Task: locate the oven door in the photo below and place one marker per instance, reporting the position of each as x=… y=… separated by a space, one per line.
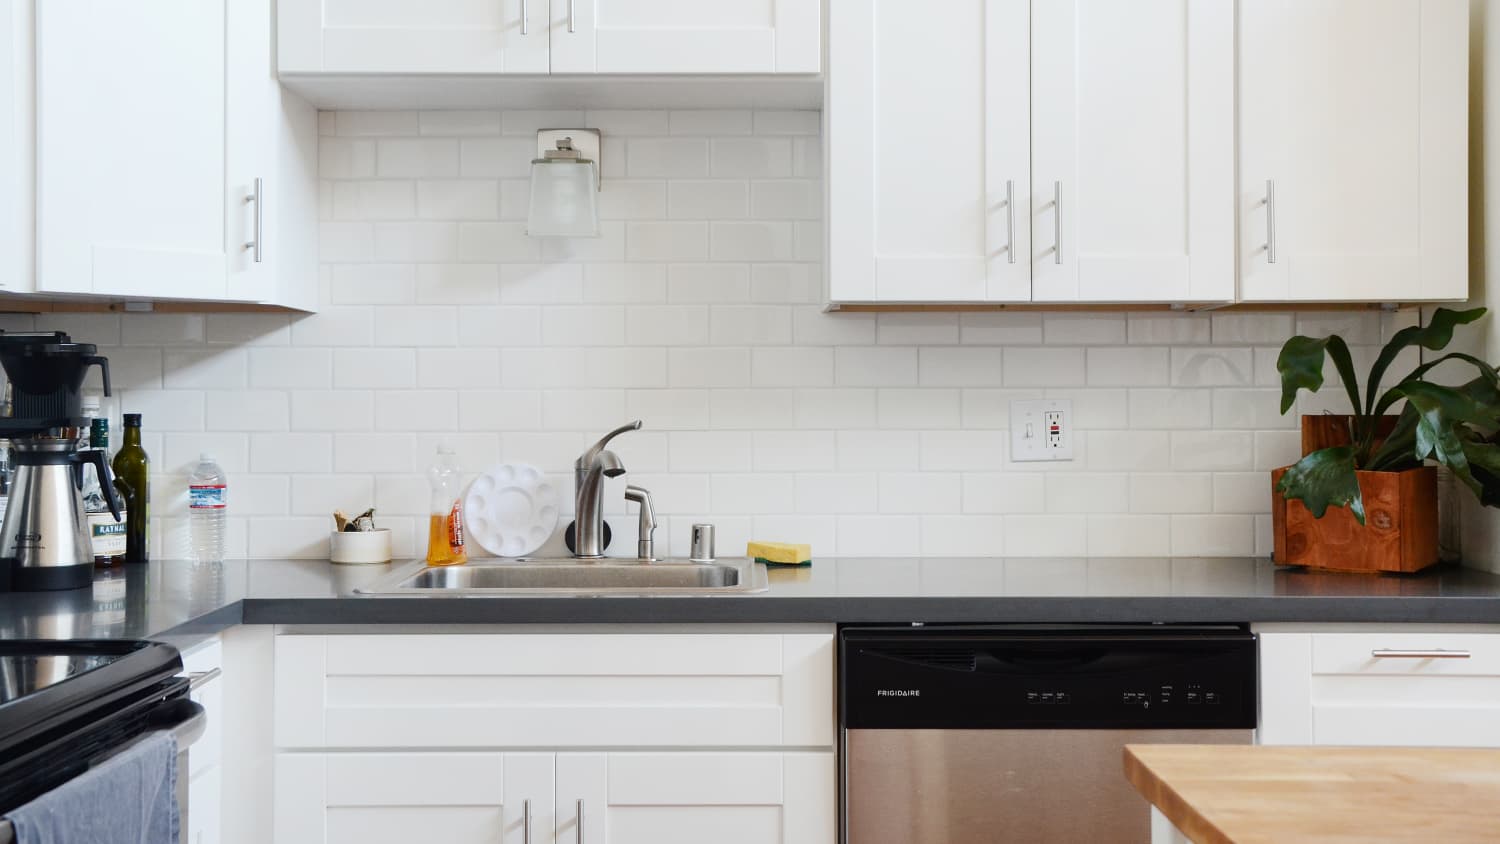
x=185 y=719
x=987 y=786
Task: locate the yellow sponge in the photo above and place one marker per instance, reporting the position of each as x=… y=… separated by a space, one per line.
x=779 y=553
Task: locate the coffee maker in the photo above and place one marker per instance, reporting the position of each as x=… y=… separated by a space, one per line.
x=44 y=539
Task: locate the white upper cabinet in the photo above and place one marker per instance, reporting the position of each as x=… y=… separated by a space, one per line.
x=156 y=121
x=412 y=36
x=486 y=37
x=686 y=36
x=1132 y=150
x=132 y=146
x=927 y=137
x=1354 y=116
x=17 y=132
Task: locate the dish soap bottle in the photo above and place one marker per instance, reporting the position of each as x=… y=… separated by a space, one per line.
x=445 y=532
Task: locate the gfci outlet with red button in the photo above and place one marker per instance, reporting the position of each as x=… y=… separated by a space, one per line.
x=1041 y=430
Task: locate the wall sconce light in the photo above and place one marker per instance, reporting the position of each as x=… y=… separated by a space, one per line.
x=565 y=184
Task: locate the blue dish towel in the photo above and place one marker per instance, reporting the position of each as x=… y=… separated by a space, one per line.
x=130 y=798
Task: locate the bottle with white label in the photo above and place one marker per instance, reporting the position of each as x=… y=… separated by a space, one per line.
x=208 y=501
x=106 y=533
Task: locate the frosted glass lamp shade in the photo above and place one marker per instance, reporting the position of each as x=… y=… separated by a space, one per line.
x=564 y=198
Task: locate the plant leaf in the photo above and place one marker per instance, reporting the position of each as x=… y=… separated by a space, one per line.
x=1399 y=449
x=1484 y=465
x=1435 y=335
x=1486 y=373
x=1325 y=477
x=1440 y=413
x=1301 y=366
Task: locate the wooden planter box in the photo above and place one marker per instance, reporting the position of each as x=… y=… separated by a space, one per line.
x=1400 y=533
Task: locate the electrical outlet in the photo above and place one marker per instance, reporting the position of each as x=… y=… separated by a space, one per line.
x=1041 y=430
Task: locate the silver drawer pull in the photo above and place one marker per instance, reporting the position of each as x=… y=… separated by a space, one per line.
x=1438 y=653
x=526 y=820
x=580 y=820
x=198 y=678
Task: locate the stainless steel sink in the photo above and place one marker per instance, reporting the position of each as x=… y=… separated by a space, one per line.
x=569 y=576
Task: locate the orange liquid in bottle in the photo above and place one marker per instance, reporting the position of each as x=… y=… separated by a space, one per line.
x=445 y=539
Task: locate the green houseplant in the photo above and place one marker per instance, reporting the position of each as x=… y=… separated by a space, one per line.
x=1455 y=426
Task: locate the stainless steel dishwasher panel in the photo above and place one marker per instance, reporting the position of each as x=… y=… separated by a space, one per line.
x=988 y=786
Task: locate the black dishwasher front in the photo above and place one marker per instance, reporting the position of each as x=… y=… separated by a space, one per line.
x=1015 y=732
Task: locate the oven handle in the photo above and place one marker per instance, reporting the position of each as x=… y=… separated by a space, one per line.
x=186 y=720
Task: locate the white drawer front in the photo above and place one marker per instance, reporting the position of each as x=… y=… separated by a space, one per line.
x=554 y=690
x=1398 y=653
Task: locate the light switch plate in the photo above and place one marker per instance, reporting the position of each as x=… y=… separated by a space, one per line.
x=1041 y=429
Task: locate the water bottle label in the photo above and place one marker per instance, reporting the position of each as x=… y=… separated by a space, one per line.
x=207 y=496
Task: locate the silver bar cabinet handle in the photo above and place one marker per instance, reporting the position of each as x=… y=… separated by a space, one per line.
x=572 y=20
x=1437 y=653
x=523 y=17
x=580 y=820
x=1270 y=221
x=1057 y=222
x=198 y=678
x=526 y=820
x=259 y=219
x=1010 y=221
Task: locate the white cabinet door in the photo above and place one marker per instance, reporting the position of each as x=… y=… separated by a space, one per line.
x=132 y=148
x=927 y=136
x=397 y=798
x=1387 y=688
x=1356 y=113
x=681 y=36
x=17 y=133
x=1132 y=127
x=412 y=36
x=685 y=798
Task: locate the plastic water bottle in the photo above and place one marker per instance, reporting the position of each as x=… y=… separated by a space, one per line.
x=208 y=501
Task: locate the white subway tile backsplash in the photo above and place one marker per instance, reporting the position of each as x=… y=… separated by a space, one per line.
x=1004 y=492
x=1127 y=366
x=689 y=199
x=921 y=408
x=450 y=123
x=794 y=451
x=417 y=157
x=960 y=366
x=699 y=310
x=1044 y=367
x=1212 y=367
x=836 y=492
x=1075 y=329
x=666 y=158
x=290 y=453
x=875 y=366
x=709 y=122
x=920 y=492
x=877 y=450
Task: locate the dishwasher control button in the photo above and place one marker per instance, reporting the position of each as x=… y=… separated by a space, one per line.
x=1048 y=697
x=1193 y=697
x=1033 y=697
x=1064 y=697
x=1210 y=697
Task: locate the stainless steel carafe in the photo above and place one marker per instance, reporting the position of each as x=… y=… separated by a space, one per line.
x=45 y=534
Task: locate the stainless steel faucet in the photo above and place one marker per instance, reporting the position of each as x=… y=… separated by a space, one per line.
x=589 y=473
x=645 y=545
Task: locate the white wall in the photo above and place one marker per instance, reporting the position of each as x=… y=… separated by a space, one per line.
x=699 y=312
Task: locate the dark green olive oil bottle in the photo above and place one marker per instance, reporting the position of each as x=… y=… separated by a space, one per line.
x=132 y=470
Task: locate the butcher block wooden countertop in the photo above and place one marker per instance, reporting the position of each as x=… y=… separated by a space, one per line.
x=1216 y=794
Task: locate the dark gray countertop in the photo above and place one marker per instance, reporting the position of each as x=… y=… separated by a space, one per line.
x=180 y=601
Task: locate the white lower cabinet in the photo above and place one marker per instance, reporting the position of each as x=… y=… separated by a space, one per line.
x=624 y=798
x=206 y=756
x=594 y=737
x=1392 y=687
